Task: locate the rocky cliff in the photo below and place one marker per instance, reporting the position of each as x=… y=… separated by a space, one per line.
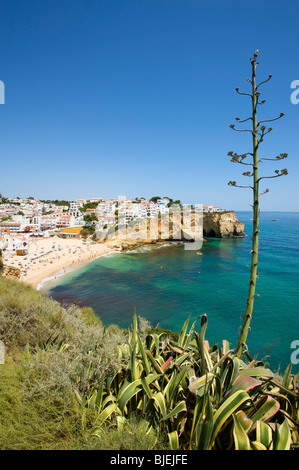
x=8 y=271
x=11 y=272
x=222 y=225
x=216 y=225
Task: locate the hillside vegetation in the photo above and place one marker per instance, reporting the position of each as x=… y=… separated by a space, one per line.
x=70 y=383
x=53 y=356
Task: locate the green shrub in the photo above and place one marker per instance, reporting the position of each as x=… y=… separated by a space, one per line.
x=89 y=316
x=200 y=397
x=70 y=383
x=131 y=435
x=33 y=423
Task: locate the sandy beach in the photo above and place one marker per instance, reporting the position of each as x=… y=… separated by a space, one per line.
x=50 y=256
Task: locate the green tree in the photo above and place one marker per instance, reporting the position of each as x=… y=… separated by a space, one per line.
x=177 y=202
x=258 y=132
x=90 y=218
x=88 y=205
x=155 y=198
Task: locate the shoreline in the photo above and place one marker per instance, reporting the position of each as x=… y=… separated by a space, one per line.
x=54 y=257
x=68 y=269
x=38 y=279
x=135 y=247
x=122 y=247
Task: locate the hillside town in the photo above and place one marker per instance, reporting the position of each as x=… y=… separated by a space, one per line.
x=25 y=219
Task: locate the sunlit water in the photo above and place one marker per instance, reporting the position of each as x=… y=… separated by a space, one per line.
x=166 y=285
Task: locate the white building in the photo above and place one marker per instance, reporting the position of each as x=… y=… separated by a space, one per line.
x=103 y=208
x=142 y=210
x=75 y=206
x=11 y=243
x=55 y=221
x=164 y=201
x=10 y=225
x=94 y=200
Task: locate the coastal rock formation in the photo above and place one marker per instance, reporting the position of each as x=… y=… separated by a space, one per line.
x=128 y=245
x=222 y=225
x=10 y=272
x=215 y=225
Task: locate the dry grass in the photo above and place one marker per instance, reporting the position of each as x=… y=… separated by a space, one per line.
x=52 y=355
x=72 y=230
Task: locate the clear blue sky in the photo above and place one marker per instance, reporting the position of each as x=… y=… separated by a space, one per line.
x=135 y=98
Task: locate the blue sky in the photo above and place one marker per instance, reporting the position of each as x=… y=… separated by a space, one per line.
x=135 y=97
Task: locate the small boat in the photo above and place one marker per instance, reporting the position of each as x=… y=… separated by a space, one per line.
x=273 y=220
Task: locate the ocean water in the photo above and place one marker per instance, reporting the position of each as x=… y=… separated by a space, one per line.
x=166 y=285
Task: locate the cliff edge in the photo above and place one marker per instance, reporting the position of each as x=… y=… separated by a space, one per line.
x=222 y=225
x=8 y=271
x=215 y=225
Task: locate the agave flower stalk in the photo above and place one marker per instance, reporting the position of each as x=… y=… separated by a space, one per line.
x=258 y=132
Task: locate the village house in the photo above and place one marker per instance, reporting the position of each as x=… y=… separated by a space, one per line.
x=209 y=208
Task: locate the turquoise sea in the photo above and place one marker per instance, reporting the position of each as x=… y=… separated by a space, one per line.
x=166 y=285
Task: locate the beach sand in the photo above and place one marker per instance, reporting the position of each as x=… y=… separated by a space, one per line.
x=50 y=256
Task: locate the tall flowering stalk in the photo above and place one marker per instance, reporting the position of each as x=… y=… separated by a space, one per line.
x=258 y=131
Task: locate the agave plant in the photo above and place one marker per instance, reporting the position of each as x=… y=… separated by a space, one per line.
x=201 y=397
x=252 y=160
